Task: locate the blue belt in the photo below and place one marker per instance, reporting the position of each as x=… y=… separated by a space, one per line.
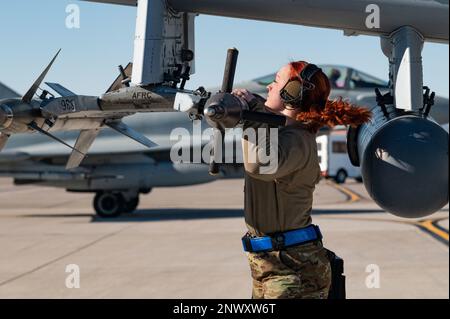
x=280 y=241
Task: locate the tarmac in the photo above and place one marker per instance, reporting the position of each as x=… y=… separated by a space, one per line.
x=185 y=243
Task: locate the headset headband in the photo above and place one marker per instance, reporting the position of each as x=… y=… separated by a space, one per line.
x=308 y=72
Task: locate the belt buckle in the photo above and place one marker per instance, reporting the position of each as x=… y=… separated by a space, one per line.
x=278 y=241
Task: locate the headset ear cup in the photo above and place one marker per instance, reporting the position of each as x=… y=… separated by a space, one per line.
x=292 y=91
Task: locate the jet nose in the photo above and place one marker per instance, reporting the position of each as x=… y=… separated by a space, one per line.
x=6 y=116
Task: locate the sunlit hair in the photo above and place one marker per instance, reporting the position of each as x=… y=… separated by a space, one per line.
x=318 y=111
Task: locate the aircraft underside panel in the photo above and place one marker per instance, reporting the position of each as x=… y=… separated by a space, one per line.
x=115 y=177
x=430 y=17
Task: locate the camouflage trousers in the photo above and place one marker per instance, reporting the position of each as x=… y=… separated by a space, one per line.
x=300 y=272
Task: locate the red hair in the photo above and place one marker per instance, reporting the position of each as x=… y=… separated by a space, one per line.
x=318 y=111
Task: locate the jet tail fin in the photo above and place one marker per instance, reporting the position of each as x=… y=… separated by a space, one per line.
x=124 y=129
x=84 y=142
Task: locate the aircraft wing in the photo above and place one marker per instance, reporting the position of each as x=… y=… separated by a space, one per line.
x=107 y=145
x=7 y=93
x=47 y=161
x=110 y=142
x=61 y=90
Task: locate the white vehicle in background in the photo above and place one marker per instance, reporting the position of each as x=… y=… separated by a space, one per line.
x=333 y=157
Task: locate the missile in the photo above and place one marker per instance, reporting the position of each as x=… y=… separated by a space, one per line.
x=87 y=114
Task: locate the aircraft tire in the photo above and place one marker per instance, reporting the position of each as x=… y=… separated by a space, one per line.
x=340 y=177
x=109 y=205
x=131 y=205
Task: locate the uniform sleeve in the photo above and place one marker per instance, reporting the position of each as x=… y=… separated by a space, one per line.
x=275 y=154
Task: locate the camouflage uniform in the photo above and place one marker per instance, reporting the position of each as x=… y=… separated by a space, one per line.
x=301 y=272
x=282 y=201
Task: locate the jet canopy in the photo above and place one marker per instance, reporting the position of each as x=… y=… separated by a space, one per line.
x=341 y=77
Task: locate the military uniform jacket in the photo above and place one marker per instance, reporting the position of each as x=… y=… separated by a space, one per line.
x=280 y=176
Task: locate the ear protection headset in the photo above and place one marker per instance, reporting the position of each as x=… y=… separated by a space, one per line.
x=292 y=93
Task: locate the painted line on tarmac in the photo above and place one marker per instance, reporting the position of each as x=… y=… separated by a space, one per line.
x=428 y=226
x=431 y=227
x=352 y=197
x=438 y=225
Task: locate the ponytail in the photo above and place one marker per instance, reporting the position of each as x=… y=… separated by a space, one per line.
x=336 y=112
x=316 y=111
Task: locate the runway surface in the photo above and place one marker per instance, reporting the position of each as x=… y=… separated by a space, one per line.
x=185 y=243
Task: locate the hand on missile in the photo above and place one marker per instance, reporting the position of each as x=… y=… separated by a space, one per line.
x=244 y=94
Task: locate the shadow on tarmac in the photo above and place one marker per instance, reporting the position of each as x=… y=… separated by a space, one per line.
x=167 y=214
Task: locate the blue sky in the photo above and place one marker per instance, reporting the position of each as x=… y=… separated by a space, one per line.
x=32 y=31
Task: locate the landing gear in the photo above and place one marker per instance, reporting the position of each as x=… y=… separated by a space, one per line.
x=108 y=205
x=112 y=204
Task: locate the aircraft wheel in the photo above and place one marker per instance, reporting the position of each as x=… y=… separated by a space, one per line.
x=131 y=205
x=109 y=205
x=341 y=176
